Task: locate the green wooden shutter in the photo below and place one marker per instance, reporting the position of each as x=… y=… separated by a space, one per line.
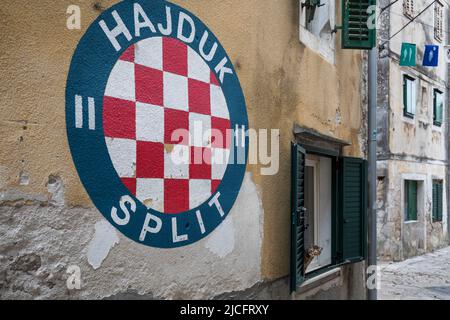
x=411 y=200
x=353 y=208
x=297 y=216
x=355 y=31
x=438 y=105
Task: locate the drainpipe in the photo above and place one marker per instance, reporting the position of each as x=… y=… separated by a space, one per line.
x=372 y=212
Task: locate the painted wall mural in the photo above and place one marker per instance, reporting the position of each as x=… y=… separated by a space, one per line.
x=156 y=121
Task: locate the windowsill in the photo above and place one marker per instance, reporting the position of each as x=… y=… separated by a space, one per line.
x=411 y=222
x=408 y=118
x=437 y=129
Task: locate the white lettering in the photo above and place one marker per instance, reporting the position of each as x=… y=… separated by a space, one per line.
x=166 y=31
x=146 y=228
x=212 y=52
x=200 y=222
x=176 y=238
x=215 y=201
x=182 y=19
x=222 y=70
x=126 y=219
x=74 y=20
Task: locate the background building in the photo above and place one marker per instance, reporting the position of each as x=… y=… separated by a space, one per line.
x=413 y=132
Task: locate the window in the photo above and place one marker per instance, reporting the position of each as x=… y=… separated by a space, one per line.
x=329 y=205
x=438 y=21
x=317 y=20
x=408 y=8
x=410 y=200
x=438 y=106
x=409 y=96
x=437 y=200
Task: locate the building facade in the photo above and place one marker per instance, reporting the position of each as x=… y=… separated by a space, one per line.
x=296 y=79
x=413 y=132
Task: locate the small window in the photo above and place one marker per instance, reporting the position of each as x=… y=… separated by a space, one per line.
x=410 y=200
x=438 y=106
x=438 y=21
x=409 y=96
x=408 y=8
x=437 y=200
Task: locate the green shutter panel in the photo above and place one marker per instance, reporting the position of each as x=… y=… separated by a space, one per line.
x=355 y=31
x=297 y=216
x=353 y=208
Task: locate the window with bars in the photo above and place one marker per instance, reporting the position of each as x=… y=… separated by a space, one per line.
x=438 y=107
x=408 y=8
x=438 y=21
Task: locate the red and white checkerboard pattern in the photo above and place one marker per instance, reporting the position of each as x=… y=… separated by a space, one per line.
x=157 y=86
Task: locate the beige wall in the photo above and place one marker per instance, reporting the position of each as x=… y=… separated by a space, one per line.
x=284 y=83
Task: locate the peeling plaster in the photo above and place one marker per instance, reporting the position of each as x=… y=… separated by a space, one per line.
x=3 y=176
x=221 y=242
x=104 y=240
x=56 y=188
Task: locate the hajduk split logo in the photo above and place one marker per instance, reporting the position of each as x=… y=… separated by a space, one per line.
x=156 y=121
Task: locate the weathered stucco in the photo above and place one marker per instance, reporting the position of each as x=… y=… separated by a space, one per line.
x=47 y=220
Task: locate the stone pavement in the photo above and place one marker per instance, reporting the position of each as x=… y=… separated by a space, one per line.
x=422 y=278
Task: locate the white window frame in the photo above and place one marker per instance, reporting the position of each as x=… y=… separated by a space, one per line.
x=325 y=48
x=315 y=162
x=413 y=93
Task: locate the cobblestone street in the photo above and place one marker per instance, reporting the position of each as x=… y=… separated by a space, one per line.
x=422 y=278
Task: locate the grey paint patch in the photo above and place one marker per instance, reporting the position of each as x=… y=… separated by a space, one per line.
x=104 y=240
